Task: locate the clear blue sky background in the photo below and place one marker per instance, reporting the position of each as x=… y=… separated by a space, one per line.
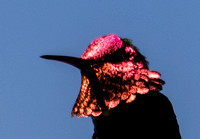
x=36 y=95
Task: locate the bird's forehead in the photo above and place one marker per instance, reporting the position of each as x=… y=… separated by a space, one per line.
x=102 y=46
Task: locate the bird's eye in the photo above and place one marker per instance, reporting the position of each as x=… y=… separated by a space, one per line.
x=116 y=57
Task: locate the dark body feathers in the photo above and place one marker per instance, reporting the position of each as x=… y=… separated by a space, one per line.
x=149 y=116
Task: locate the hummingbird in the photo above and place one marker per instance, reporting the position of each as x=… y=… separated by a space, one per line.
x=118 y=90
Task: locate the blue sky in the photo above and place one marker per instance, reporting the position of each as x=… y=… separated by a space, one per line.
x=36 y=95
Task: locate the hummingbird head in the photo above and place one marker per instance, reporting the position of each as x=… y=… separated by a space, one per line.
x=113 y=71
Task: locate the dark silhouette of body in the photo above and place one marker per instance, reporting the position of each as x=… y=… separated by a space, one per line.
x=120 y=93
x=149 y=116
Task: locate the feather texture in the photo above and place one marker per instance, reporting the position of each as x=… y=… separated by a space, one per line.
x=121 y=71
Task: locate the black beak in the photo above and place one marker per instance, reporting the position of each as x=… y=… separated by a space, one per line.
x=74 y=61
